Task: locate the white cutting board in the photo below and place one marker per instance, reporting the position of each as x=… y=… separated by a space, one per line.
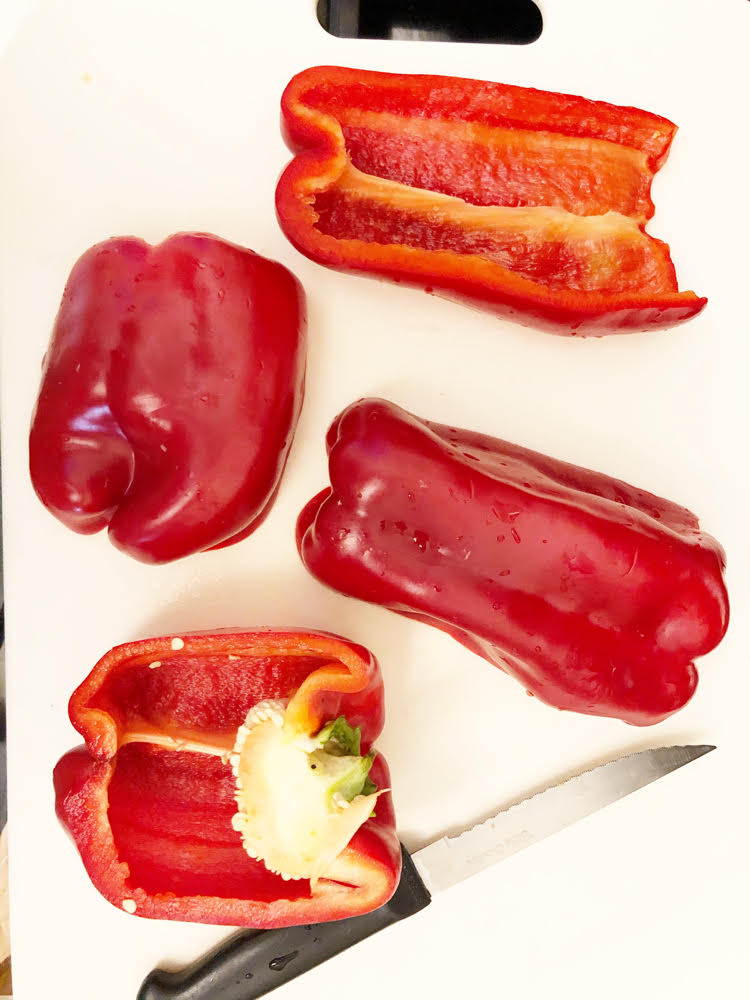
x=146 y=117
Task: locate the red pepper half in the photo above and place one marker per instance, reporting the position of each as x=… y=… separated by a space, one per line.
x=170 y=394
x=150 y=799
x=529 y=203
x=595 y=595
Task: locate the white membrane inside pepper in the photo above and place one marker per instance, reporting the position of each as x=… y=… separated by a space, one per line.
x=289 y=813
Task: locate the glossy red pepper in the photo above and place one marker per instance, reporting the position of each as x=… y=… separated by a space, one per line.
x=528 y=203
x=170 y=394
x=595 y=595
x=149 y=800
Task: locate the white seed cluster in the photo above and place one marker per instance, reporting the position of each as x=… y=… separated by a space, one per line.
x=271 y=710
x=177 y=643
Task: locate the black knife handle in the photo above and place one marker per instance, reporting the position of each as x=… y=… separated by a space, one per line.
x=252 y=963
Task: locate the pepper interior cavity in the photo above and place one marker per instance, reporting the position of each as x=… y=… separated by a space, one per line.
x=564 y=210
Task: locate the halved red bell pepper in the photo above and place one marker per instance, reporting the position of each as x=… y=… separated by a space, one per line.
x=170 y=394
x=151 y=799
x=529 y=203
x=595 y=595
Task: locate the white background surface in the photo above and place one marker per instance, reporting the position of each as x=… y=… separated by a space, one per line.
x=151 y=117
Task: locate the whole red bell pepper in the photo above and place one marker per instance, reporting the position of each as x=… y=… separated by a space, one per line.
x=595 y=595
x=152 y=799
x=170 y=394
x=528 y=203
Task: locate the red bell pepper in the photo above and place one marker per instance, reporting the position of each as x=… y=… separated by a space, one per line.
x=170 y=394
x=595 y=595
x=151 y=800
x=529 y=203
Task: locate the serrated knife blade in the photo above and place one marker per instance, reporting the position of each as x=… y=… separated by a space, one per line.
x=253 y=963
x=453 y=859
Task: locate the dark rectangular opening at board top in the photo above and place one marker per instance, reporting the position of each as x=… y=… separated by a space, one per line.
x=509 y=22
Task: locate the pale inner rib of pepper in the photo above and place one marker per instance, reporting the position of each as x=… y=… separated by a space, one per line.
x=298 y=805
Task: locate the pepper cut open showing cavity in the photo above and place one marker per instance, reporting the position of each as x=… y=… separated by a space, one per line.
x=518 y=200
x=151 y=800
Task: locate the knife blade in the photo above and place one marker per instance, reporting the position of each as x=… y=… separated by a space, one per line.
x=253 y=963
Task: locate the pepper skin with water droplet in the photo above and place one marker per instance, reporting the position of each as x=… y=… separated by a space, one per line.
x=595 y=595
x=170 y=394
x=150 y=799
x=527 y=203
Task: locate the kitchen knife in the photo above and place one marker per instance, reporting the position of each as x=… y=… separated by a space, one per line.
x=252 y=963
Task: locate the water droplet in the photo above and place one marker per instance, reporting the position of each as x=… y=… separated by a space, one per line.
x=280 y=963
x=504 y=572
x=516 y=537
x=248 y=975
x=537 y=649
x=221 y=293
x=513 y=515
x=410 y=497
x=421 y=539
x=501 y=538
